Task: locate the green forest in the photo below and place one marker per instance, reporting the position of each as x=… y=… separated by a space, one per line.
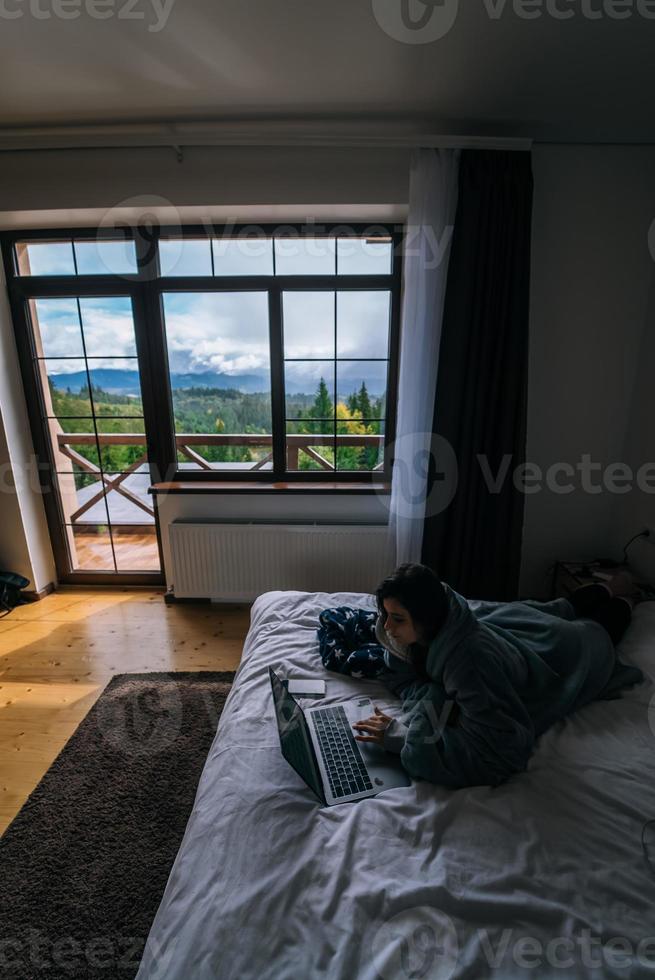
x=216 y=411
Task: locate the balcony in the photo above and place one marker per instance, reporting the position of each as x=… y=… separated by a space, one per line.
x=123 y=497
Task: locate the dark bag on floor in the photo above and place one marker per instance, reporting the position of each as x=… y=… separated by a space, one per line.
x=10 y=591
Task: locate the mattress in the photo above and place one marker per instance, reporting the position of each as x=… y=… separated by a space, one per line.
x=544 y=876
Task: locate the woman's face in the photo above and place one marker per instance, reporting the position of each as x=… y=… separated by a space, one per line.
x=399 y=624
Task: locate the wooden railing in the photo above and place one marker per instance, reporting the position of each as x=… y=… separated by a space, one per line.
x=296 y=443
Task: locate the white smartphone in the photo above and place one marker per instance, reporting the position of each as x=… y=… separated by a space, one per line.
x=305 y=686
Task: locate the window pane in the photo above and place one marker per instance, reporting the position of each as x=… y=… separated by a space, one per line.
x=45 y=259
x=108 y=327
x=312 y=426
x=305 y=256
x=185 y=257
x=118 y=424
x=57 y=330
x=76 y=467
x=88 y=506
x=219 y=360
x=310 y=445
x=235 y=452
x=90 y=548
x=116 y=386
x=362 y=386
x=243 y=256
x=74 y=445
x=65 y=387
x=122 y=443
x=128 y=500
x=360 y=445
x=363 y=256
x=309 y=387
x=308 y=320
x=72 y=484
x=123 y=495
x=99 y=258
x=135 y=548
x=363 y=319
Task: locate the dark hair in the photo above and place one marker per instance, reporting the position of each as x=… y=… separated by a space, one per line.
x=419 y=590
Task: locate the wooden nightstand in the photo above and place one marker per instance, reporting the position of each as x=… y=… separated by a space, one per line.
x=569 y=575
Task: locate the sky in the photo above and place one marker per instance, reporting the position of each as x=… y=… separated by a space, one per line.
x=225 y=332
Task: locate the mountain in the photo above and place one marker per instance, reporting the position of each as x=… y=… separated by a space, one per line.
x=127 y=382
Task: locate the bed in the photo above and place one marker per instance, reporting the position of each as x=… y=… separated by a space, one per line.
x=544 y=876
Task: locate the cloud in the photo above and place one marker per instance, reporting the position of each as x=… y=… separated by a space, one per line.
x=228 y=333
x=108 y=331
x=217 y=331
x=231 y=329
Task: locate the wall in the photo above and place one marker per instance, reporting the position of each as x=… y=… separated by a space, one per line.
x=590 y=296
x=14 y=553
x=590 y=303
x=208 y=177
x=24 y=541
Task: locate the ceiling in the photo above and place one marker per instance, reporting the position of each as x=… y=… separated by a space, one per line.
x=493 y=72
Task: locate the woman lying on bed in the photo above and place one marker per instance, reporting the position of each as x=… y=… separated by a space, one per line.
x=480 y=681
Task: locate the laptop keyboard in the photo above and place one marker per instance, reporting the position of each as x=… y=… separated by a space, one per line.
x=345 y=767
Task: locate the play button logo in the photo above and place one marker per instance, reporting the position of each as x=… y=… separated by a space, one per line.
x=417 y=944
x=415 y=21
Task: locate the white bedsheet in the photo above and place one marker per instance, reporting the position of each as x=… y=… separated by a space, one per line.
x=541 y=877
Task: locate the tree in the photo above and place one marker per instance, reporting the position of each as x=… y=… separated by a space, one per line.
x=364 y=402
x=322 y=407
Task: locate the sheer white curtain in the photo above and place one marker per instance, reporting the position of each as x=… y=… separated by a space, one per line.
x=432 y=206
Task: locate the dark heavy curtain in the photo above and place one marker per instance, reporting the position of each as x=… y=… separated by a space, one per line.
x=481 y=400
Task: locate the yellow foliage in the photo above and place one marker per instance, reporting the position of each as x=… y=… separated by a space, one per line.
x=355 y=425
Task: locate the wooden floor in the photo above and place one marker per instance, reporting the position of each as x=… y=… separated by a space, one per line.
x=57 y=655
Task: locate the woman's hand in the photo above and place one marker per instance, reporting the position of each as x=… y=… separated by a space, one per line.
x=375 y=727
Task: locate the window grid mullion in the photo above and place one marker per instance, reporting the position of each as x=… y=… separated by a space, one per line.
x=334 y=393
x=278 y=394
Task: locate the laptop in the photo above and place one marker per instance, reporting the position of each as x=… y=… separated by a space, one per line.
x=320 y=745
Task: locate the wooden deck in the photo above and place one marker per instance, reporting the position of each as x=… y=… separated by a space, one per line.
x=57 y=655
x=134 y=552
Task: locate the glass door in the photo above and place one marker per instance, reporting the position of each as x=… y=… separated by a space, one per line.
x=92 y=415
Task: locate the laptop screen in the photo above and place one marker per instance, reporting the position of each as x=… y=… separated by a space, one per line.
x=294 y=737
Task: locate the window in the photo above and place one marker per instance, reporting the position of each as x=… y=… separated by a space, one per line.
x=254 y=354
x=219 y=372
x=280 y=348
x=92 y=416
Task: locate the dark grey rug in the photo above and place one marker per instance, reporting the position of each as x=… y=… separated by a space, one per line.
x=84 y=864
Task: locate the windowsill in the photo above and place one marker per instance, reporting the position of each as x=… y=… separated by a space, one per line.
x=232 y=486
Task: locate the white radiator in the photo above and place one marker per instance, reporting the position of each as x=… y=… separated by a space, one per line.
x=237 y=562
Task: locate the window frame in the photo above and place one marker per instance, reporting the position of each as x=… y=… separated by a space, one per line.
x=36 y=410
x=147 y=288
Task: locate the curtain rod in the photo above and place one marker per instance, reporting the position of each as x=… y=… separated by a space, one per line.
x=180 y=135
x=354 y=135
